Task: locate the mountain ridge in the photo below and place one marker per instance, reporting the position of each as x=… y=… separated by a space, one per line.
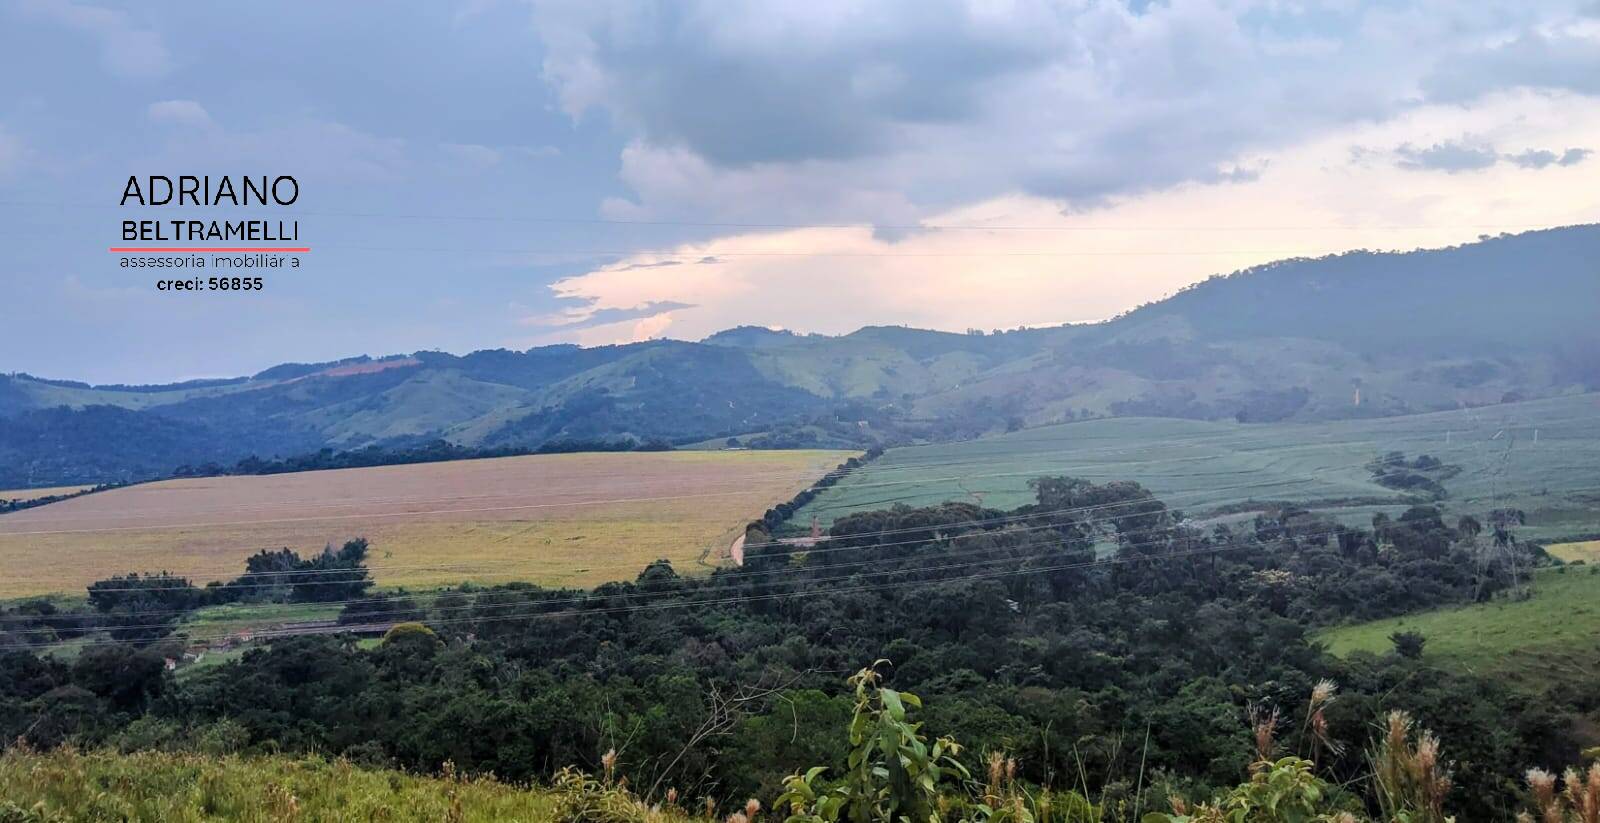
x=1356 y=334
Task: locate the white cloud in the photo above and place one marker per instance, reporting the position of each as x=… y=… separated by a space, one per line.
x=313 y=150
x=480 y=157
x=472 y=154
x=179 y=113
x=12 y=151
x=538 y=152
x=126 y=48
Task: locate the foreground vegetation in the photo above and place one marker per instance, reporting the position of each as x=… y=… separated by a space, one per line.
x=1123 y=677
x=67 y=785
x=893 y=772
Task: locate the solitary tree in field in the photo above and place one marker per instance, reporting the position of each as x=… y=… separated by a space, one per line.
x=1408 y=644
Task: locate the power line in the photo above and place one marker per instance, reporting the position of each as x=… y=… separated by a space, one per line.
x=368 y=516
x=909 y=227
x=536 y=599
x=1000 y=519
x=772 y=596
x=146 y=511
x=877 y=469
x=710 y=256
x=860 y=485
x=1165 y=499
x=1073 y=510
x=726 y=575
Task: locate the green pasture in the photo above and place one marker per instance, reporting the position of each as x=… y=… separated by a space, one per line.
x=1550 y=637
x=1541 y=456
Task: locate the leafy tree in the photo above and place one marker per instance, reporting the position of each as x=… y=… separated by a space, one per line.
x=413 y=637
x=1408 y=644
x=128 y=678
x=151 y=592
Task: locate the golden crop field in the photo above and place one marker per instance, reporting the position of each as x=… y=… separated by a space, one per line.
x=570 y=519
x=1587 y=551
x=25 y=495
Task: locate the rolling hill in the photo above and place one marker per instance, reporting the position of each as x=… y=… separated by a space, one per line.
x=1536 y=644
x=1355 y=335
x=1538 y=456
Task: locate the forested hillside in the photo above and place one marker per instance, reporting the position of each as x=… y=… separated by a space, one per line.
x=1354 y=335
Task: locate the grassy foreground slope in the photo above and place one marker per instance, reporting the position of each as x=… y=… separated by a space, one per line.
x=1198 y=465
x=1550 y=638
x=176 y=788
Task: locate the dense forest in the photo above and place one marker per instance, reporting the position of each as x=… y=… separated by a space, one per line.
x=1094 y=638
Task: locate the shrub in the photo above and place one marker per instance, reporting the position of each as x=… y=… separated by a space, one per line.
x=411 y=636
x=1287 y=791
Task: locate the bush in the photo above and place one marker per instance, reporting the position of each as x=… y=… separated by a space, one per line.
x=411 y=636
x=226 y=736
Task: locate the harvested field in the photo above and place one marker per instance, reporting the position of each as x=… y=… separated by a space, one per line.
x=571 y=519
x=1585 y=551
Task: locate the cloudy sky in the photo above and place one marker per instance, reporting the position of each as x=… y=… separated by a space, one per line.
x=485 y=174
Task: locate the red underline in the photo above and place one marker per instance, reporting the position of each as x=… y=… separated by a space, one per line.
x=210 y=249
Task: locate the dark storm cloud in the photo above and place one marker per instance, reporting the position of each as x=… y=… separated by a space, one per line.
x=890 y=110
x=748 y=85
x=1452 y=156
x=1533 y=60
x=1446 y=157
x=1540 y=158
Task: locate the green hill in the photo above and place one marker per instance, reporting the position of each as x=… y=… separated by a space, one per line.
x=1212 y=468
x=1544 y=641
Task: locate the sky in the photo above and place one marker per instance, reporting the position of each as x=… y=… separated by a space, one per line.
x=482 y=174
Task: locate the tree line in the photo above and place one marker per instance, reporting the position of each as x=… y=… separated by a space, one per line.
x=142 y=608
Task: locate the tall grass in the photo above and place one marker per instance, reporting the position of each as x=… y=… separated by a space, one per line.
x=67 y=785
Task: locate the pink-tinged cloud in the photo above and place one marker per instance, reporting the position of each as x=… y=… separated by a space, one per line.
x=1317 y=198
